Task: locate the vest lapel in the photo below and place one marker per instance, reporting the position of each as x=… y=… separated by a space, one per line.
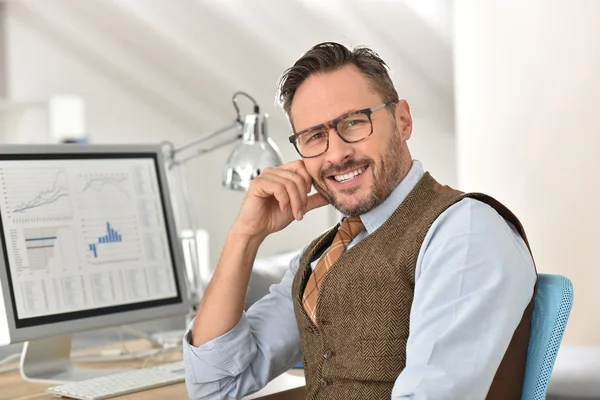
x=305 y=270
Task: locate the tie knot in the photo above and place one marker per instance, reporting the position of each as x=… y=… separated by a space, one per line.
x=351 y=227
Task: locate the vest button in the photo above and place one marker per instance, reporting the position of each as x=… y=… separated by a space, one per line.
x=328 y=354
x=323 y=383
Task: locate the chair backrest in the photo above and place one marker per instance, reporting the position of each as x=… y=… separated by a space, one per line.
x=552 y=307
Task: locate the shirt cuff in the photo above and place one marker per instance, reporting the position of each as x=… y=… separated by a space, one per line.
x=230 y=353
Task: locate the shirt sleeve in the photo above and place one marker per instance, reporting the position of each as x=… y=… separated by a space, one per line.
x=264 y=344
x=474 y=279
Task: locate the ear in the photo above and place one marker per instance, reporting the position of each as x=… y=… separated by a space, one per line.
x=404 y=119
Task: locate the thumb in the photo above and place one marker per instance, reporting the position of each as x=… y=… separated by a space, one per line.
x=315 y=201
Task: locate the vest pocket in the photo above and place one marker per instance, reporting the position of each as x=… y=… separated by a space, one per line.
x=382 y=359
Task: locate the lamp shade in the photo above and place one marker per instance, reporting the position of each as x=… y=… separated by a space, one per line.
x=251 y=155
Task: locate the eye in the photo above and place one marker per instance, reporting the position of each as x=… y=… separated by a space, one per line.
x=355 y=122
x=312 y=138
x=316 y=136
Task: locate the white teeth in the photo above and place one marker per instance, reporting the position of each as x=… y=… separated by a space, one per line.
x=349 y=175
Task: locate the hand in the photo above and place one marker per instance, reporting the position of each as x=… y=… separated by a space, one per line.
x=275 y=198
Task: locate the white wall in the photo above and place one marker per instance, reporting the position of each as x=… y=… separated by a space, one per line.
x=528 y=90
x=434 y=146
x=40 y=66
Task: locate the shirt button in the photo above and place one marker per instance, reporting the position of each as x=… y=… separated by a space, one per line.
x=323 y=383
x=328 y=354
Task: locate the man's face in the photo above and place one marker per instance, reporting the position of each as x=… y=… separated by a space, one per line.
x=353 y=177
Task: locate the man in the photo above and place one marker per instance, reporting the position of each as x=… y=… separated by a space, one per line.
x=422 y=292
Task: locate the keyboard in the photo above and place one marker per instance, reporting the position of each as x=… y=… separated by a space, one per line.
x=121 y=383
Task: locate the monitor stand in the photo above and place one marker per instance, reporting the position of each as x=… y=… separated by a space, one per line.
x=49 y=361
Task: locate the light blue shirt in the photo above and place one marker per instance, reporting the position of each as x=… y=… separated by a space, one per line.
x=474 y=278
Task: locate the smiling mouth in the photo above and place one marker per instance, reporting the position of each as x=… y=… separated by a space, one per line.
x=348 y=176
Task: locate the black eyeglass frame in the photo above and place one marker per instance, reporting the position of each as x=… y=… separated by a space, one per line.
x=327 y=126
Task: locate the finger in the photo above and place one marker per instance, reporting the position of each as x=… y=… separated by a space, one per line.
x=268 y=187
x=295 y=177
x=315 y=201
x=299 y=168
x=298 y=180
x=296 y=203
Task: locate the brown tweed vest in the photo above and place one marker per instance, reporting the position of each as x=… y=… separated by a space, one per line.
x=359 y=347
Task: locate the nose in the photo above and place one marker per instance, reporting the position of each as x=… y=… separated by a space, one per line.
x=338 y=151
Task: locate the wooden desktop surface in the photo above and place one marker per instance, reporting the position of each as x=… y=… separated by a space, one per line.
x=13 y=387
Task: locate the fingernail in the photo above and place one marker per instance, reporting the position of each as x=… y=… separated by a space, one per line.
x=300 y=215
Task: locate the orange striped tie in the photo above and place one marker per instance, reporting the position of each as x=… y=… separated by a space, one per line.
x=349 y=229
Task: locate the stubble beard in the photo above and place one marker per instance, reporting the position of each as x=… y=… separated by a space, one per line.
x=386 y=176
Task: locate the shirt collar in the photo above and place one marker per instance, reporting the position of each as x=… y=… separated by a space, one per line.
x=377 y=216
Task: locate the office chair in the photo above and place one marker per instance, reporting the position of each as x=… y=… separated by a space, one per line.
x=552 y=307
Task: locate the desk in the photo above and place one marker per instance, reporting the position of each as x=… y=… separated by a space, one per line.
x=288 y=386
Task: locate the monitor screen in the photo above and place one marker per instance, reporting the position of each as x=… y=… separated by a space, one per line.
x=84 y=235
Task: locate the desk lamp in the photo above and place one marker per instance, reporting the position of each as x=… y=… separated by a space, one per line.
x=254 y=151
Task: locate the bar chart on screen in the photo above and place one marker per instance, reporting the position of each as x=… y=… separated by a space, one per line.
x=114 y=241
x=111 y=236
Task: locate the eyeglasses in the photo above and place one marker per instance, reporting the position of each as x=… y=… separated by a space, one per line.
x=351 y=128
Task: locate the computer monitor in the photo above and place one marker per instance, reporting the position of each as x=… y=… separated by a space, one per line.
x=88 y=241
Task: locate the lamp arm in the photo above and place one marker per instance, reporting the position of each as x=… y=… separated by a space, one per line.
x=171 y=152
x=206 y=137
x=202 y=151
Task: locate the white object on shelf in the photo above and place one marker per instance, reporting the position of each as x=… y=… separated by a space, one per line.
x=42 y=121
x=66 y=118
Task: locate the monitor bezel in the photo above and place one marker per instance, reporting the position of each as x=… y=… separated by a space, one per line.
x=117 y=315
